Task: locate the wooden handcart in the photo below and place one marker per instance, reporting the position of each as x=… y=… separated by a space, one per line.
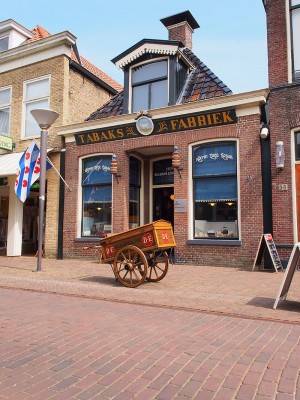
x=139 y=254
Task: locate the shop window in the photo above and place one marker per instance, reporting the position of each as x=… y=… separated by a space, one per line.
x=96 y=196
x=36 y=95
x=215 y=191
x=150 y=86
x=4 y=43
x=297 y=146
x=295 y=32
x=163 y=172
x=5 y=104
x=134 y=193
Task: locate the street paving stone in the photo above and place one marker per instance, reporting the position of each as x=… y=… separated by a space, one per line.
x=72 y=332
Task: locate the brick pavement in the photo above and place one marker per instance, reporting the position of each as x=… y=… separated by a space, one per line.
x=62 y=347
x=221 y=290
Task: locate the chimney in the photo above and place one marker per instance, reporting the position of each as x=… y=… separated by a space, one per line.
x=181 y=27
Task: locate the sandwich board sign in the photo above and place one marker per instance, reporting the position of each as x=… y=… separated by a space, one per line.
x=288 y=276
x=267 y=241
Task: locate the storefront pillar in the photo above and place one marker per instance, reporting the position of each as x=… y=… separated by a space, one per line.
x=15 y=221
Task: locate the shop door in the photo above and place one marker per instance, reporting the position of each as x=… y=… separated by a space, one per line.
x=163 y=204
x=298 y=198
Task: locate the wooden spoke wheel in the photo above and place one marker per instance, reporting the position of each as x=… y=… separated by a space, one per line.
x=158 y=265
x=130 y=266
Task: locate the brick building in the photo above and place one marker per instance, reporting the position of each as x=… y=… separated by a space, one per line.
x=283 y=32
x=40 y=70
x=172 y=103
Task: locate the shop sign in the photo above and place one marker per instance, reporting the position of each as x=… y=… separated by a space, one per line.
x=180 y=205
x=6 y=143
x=161 y=126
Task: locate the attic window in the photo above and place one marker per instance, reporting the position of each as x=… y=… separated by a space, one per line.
x=4 y=43
x=150 y=86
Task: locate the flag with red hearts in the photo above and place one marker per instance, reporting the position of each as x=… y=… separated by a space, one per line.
x=29 y=171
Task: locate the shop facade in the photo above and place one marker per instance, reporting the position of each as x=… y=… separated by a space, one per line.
x=176 y=144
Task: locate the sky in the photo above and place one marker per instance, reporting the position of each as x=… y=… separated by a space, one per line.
x=231 y=39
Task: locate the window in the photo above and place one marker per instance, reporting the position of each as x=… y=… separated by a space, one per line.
x=96 y=196
x=4 y=43
x=134 y=193
x=215 y=191
x=36 y=95
x=297 y=146
x=295 y=31
x=5 y=101
x=150 y=86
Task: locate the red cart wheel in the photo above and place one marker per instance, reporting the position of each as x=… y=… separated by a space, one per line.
x=130 y=266
x=158 y=265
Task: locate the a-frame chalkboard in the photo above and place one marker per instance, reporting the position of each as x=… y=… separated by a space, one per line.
x=267 y=241
x=289 y=273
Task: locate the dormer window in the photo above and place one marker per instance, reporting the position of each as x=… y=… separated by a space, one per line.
x=150 y=86
x=4 y=43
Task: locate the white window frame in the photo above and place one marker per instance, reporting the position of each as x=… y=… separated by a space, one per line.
x=191 y=190
x=4 y=37
x=7 y=105
x=32 y=101
x=292 y=10
x=130 y=103
x=80 y=191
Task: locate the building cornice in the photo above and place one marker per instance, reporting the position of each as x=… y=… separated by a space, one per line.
x=16 y=57
x=247 y=103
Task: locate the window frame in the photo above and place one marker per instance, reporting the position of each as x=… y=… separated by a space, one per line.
x=7 y=106
x=234 y=241
x=32 y=101
x=295 y=73
x=148 y=81
x=5 y=37
x=80 y=226
x=136 y=186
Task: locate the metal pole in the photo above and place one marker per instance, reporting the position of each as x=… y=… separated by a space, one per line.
x=43 y=158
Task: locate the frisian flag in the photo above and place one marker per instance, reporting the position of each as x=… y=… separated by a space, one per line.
x=29 y=171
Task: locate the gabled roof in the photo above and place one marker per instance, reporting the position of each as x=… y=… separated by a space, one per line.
x=201 y=84
x=40 y=33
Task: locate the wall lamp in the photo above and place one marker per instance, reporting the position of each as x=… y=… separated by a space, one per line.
x=264 y=131
x=114 y=167
x=279 y=155
x=176 y=161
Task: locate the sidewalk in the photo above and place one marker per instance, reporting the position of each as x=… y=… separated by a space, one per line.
x=221 y=290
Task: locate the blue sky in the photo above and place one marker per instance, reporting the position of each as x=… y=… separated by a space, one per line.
x=231 y=39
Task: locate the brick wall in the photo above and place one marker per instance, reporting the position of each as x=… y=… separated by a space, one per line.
x=246 y=130
x=277 y=42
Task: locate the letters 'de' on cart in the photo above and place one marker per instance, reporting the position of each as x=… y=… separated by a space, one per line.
x=139 y=254
x=266 y=241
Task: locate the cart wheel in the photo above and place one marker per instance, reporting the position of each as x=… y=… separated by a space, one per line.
x=130 y=266
x=158 y=264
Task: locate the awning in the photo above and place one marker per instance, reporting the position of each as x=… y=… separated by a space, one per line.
x=9 y=164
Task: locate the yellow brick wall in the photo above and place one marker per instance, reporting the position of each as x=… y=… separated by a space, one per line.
x=74 y=97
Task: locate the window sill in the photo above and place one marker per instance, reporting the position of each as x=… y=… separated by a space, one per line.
x=87 y=239
x=215 y=242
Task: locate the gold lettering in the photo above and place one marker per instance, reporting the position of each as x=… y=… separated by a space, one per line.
x=81 y=137
x=216 y=118
x=191 y=122
x=226 y=116
x=89 y=138
x=208 y=116
x=111 y=135
x=96 y=136
x=174 y=124
x=120 y=132
x=182 y=124
x=103 y=136
x=130 y=131
x=201 y=120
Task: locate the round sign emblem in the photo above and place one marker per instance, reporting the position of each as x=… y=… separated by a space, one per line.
x=147 y=239
x=145 y=125
x=109 y=250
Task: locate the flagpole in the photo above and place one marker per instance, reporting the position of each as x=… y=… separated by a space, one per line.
x=45 y=119
x=55 y=169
